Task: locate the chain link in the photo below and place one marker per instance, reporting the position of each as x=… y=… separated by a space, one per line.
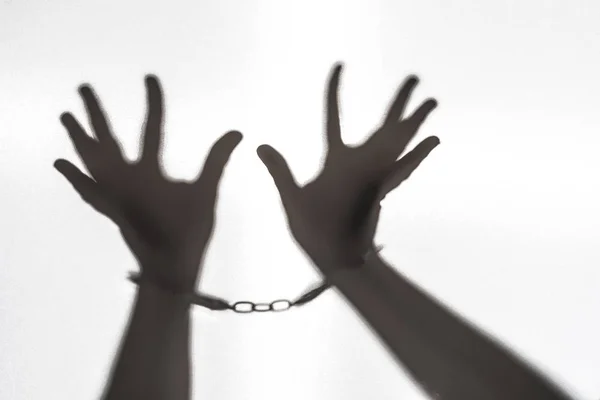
x=246 y=307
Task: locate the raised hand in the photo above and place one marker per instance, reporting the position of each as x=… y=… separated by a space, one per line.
x=166 y=223
x=334 y=217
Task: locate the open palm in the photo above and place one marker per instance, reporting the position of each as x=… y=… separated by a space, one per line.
x=334 y=217
x=166 y=223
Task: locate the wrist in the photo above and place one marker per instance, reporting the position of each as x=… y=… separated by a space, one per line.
x=161 y=296
x=334 y=266
x=171 y=276
x=371 y=273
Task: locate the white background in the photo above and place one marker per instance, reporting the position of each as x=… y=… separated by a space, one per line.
x=500 y=222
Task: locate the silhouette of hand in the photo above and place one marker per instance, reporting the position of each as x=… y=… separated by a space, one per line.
x=166 y=223
x=334 y=217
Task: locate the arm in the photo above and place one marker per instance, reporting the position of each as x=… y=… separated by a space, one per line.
x=154 y=359
x=167 y=224
x=334 y=218
x=442 y=352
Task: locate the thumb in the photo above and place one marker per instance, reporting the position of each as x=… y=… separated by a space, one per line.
x=219 y=155
x=404 y=167
x=280 y=172
x=91 y=194
x=85 y=186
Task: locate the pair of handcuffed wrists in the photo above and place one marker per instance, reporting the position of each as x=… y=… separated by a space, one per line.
x=219 y=304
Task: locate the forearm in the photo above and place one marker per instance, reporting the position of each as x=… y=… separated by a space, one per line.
x=442 y=352
x=153 y=362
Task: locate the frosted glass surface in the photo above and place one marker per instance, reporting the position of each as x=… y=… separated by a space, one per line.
x=501 y=222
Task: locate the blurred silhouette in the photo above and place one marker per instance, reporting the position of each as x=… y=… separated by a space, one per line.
x=334 y=217
x=167 y=224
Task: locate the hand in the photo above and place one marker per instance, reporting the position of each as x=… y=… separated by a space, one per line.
x=334 y=217
x=166 y=223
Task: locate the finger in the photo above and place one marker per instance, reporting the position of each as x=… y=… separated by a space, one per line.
x=405 y=166
x=85 y=186
x=418 y=117
x=397 y=108
x=334 y=135
x=154 y=120
x=90 y=193
x=280 y=172
x=407 y=129
x=83 y=143
x=217 y=158
x=97 y=117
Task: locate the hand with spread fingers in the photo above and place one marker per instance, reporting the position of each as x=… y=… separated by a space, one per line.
x=334 y=217
x=166 y=223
